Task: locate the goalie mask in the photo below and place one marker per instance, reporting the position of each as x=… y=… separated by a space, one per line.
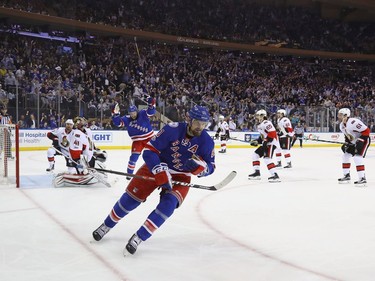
x=80 y=122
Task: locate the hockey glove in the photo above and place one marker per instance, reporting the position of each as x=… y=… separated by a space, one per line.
x=55 y=144
x=348 y=148
x=216 y=136
x=254 y=143
x=197 y=166
x=162 y=176
x=151 y=102
x=116 y=109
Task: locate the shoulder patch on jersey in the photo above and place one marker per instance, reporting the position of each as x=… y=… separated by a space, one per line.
x=173 y=124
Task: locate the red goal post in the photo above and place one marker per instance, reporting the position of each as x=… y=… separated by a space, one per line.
x=9 y=155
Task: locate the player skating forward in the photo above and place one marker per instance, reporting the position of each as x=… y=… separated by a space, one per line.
x=177 y=152
x=222 y=133
x=286 y=134
x=357 y=141
x=60 y=141
x=139 y=129
x=268 y=141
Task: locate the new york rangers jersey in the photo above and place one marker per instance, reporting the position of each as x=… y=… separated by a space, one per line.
x=138 y=129
x=267 y=130
x=353 y=129
x=285 y=127
x=175 y=147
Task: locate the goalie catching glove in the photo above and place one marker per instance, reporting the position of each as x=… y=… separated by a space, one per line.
x=162 y=176
x=197 y=166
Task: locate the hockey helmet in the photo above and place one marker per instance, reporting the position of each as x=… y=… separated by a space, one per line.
x=261 y=112
x=282 y=111
x=69 y=121
x=132 y=108
x=221 y=117
x=345 y=112
x=199 y=113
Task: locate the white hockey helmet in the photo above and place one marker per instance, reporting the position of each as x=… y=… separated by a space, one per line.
x=261 y=112
x=69 y=121
x=345 y=112
x=221 y=117
x=282 y=111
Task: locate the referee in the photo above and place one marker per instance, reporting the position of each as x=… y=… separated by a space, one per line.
x=5 y=119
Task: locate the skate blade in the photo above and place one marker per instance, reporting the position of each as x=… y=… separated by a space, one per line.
x=360 y=184
x=254 y=178
x=344 y=182
x=272 y=181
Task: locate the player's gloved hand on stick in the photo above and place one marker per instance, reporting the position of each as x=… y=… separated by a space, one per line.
x=116 y=109
x=254 y=143
x=348 y=148
x=196 y=166
x=162 y=176
x=216 y=136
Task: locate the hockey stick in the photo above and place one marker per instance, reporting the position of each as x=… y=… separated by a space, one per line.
x=235 y=139
x=217 y=186
x=315 y=138
x=107 y=184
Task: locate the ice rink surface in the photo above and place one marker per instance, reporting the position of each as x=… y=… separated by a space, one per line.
x=308 y=227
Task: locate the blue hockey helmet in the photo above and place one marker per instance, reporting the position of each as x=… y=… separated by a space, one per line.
x=132 y=108
x=199 y=113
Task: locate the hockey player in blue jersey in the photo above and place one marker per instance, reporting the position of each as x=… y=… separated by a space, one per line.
x=177 y=152
x=139 y=128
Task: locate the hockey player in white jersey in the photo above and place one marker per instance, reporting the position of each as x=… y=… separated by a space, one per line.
x=60 y=140
x=357 y=141
x=268 y=140
x=222 y=133
x=286 y=134
x=81 y=158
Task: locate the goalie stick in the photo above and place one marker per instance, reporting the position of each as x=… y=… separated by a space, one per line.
x=107 y=184
x=217 y=186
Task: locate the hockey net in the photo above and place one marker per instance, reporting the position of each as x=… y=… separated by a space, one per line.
x=9 y=155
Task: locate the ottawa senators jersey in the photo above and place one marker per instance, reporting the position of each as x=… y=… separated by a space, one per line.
x=63 y=137
x=267 y=130
x=353 y=129
x=223 y=128
x=81 y=142
x=285 y=127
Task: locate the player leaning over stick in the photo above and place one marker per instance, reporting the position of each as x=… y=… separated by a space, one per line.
x=60 y=140
x=268 y=141
x=357 y=141
x=177 y=152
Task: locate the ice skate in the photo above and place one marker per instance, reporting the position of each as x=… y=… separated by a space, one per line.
x=274 y=178
x=345 y=179
x=278 y=165
x=51 y=168
x=288 y=165
x=223 y=151
x=132 y=245
x=361 y=182
x=99 y=233
x=254 y=176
